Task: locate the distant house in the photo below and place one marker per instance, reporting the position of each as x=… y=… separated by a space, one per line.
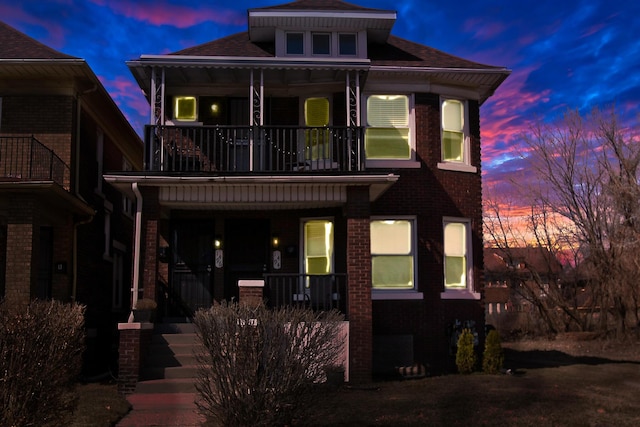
x=330 y=163
x=64 y=233
x=516 y=275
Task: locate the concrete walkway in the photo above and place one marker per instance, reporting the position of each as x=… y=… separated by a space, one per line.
x=162 y=410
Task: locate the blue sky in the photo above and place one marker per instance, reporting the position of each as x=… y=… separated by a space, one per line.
x=563 y=54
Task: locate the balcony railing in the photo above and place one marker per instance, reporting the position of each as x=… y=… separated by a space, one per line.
x=318 y=292
x=229 y=149
x=24 y=158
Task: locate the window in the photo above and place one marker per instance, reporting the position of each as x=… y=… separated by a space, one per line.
x=347 y=44
x=318 y=246
x=99 y=159
x=387 y=134
x=317 y=141
x=321 y=43
x=184 y=108
x=295 y=44
x=392 y=254
x=457 y=259
x=454 y=132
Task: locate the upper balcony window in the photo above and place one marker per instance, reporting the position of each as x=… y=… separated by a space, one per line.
x=455 y=136
x=388 y=128
x=321 y=43
x=347 y=44
x=295 y=43
x=184 y=108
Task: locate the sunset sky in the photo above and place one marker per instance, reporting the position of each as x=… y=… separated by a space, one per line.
x=563 y=54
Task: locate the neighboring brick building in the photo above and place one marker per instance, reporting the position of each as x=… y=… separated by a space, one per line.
x=64 y=233
x=337 y=162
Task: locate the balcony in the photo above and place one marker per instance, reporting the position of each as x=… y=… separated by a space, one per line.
x=318 y=292
x=249 y=149
x=24 y=158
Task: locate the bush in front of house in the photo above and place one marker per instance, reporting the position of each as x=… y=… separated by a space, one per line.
x=465 y=355
x=261 y=366
x=41 y=348
x=493 y=356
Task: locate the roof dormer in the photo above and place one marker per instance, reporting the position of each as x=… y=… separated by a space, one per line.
x=311 y=28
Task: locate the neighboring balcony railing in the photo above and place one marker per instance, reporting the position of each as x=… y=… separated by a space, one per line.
x=24 y=158
x=280 y=149
x=318 y=292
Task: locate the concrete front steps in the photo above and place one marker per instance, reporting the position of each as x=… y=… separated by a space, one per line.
x=170 y=365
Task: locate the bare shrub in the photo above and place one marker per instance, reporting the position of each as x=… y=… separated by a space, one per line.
x=260 y=366
x=40 y=358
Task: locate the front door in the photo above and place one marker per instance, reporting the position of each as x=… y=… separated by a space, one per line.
x=246 y=252
x=191 y=267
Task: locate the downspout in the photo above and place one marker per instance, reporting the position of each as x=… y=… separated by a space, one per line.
x=136 y=248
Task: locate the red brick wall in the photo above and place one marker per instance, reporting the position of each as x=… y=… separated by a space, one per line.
x=431 y=194
x=134 y=342
x=22 y=248
x=359 y=273
x=150 y=239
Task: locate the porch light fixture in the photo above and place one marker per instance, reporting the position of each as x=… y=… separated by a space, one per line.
x=219 y=253
x=276 y=255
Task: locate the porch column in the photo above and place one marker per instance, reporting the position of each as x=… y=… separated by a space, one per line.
x=150 y=241
x=22 y=251
x=359 y=274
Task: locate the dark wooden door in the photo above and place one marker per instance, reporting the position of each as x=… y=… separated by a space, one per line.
x=191 y=267
x=246 y=252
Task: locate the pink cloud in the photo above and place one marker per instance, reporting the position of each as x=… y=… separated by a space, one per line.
x=163 y=13
x=18 y=18
x=482 y=29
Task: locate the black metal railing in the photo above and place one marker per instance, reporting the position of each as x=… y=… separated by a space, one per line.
x=318 y=292
x=222 y=149
x=24 y=158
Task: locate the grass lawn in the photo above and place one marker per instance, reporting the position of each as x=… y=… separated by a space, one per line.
x=99 y=405
x=548 y=387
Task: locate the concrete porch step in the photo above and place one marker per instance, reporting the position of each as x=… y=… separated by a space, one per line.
x=174 y=338
x=173 y=356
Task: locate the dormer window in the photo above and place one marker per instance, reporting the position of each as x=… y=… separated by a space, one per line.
x=312 y=43
x=321 y=43
x=295 y=43
x=347 y=44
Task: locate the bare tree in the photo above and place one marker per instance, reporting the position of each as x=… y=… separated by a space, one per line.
x=584 y=193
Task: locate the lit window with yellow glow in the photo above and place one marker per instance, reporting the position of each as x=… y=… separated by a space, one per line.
x=453 y=131
x=387 y=133
x=318 y=247
x=184 y=108
x=392 y=254
x=455 y=254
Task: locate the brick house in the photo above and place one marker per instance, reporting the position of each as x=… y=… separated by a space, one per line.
x=64 y=233
x=327 y=161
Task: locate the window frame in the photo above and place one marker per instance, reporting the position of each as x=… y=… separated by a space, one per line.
x=174 y=111
x=463 y=165
x=339 y=44
x=466 y=292
x=303 y=245
x=313 y=44
x=286 y=42
x=395 y=293
x=410 y=162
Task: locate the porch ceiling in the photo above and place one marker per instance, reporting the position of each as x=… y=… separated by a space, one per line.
x=253 y=193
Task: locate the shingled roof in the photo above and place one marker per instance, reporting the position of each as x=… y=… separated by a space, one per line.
x=17 y=45
x=317 y=5
x=396 y=52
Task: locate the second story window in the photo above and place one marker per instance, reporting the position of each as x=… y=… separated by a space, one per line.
x=388 y=124
x=321 y=43
x=184 y=108
x=454 y=132
x=295 y=44
x=347 y=44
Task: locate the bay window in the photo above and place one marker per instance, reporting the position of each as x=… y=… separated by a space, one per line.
x=387 y=136
x=457 y=259
x=392 y=254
